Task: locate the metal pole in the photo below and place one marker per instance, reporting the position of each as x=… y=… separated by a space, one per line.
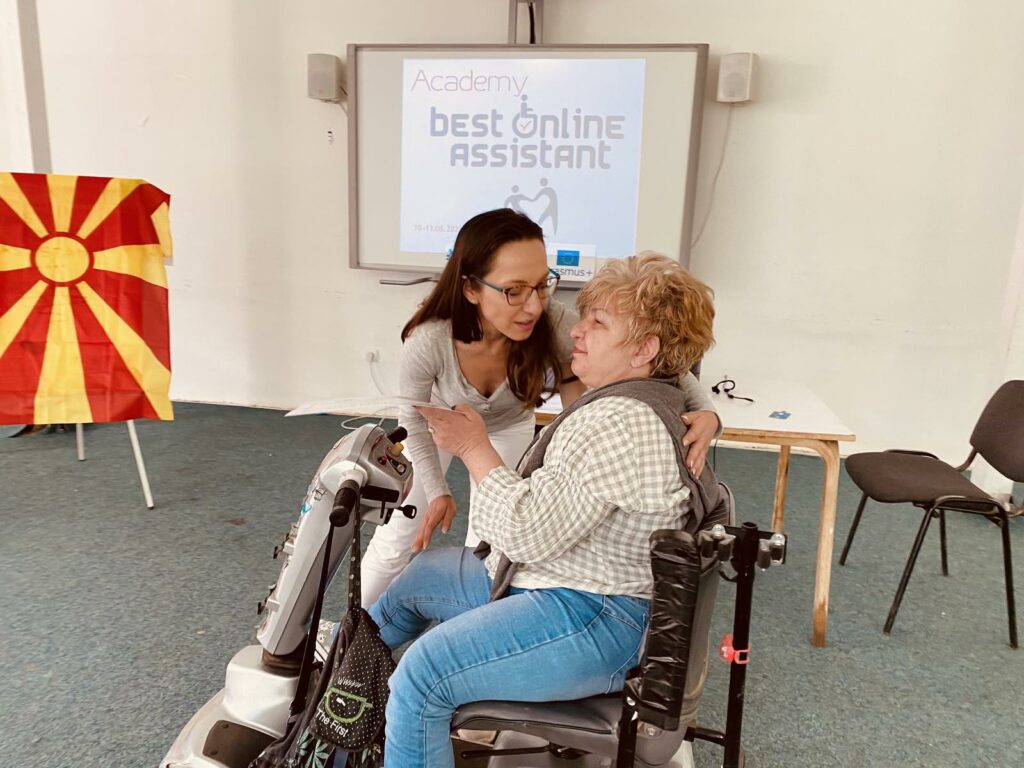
x=80 y=441
x=743 y=560
x=538 y=18
x=513 y=20
x=140 y=464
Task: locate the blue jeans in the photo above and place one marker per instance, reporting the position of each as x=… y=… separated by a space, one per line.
x=533 y=645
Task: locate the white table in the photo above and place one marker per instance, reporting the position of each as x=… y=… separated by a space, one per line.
x=811 y=424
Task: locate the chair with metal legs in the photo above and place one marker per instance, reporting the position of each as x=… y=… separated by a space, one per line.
x=922 y=479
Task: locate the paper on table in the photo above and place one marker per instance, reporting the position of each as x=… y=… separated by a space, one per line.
x=553 y=405
x=355 y=406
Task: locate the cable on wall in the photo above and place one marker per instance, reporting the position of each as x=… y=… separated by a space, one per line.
x=714 y=181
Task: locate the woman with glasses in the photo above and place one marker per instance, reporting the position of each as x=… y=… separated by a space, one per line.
x=488 y=336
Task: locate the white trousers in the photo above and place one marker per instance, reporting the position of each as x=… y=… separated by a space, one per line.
x=390 y=549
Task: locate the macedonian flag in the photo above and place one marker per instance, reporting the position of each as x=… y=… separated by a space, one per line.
x=83 y=300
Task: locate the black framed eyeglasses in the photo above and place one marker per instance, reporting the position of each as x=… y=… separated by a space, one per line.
x=518 y=295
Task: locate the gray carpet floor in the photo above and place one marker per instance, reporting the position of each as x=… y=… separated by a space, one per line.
x=116 y=622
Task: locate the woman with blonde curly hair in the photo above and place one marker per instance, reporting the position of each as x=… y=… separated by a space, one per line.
x=656 y=299
x=575 y=517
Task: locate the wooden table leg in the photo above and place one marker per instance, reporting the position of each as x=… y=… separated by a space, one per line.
x=829 y=450
x=781 y=478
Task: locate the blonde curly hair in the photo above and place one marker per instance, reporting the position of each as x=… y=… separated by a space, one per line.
x=657 y=297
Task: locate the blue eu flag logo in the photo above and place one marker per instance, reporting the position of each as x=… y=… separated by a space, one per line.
x=568 y=258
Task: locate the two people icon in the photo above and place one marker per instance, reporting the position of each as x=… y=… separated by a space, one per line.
x=546 y=194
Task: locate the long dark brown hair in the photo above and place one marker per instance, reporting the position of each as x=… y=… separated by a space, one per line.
x=529 y=360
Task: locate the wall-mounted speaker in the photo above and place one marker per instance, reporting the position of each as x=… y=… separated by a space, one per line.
x=324 y=77
x=736 y=77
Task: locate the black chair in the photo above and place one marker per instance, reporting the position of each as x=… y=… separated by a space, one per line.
x=921 y=479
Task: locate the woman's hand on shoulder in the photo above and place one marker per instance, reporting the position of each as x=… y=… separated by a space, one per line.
x=701 y=429
x=440 y=511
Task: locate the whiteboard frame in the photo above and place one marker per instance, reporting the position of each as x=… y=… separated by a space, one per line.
x=696 y=121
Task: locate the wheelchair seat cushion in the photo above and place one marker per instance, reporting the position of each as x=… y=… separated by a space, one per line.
x=904 y=477
x=590 y=725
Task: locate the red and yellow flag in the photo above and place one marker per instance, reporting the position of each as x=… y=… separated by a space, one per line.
x=83 y=300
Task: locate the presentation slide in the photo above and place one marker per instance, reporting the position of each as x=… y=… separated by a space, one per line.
x=556 y=139
x=596 y=143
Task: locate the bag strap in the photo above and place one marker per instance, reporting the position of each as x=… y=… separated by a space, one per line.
x=354 y=595
x=355 y=589
x=306 y=669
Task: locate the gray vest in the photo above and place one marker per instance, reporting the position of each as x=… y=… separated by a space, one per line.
x=666 y=400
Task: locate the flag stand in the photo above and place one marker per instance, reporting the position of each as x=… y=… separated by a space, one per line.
x=136 y=450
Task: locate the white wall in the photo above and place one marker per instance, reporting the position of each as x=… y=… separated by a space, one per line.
x=15 y=140
x=860 y=241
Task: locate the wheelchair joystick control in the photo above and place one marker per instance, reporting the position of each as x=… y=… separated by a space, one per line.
x=398 y=435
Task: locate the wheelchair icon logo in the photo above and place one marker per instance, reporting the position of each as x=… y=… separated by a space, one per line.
x=340 y=705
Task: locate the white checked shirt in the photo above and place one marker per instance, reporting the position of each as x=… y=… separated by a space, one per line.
x=583 y=519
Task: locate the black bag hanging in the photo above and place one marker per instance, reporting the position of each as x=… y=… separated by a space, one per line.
x=350 y=714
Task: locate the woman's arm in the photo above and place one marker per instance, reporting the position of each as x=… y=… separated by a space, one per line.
x=463 y=433
x=420 y=367
x=702 y=423
x=697 y=398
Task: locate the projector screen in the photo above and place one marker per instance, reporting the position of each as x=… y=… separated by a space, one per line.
x=597 y=144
